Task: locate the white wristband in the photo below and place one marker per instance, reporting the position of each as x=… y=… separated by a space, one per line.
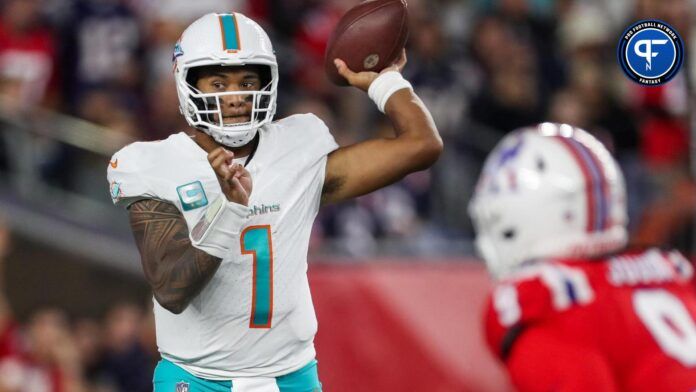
x=218 y=230
x=384 y=86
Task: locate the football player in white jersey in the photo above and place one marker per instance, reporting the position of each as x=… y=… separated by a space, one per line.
x=227 y=264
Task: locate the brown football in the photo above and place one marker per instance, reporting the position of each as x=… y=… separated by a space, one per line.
x=369 y=37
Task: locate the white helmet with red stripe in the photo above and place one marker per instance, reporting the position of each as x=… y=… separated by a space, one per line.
x=548 y=191
x=225 y=40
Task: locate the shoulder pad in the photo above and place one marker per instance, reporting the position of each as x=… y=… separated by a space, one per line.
x=126 y=185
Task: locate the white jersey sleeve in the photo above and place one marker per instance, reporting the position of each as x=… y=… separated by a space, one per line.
x=126 y=175
x=321 y=142
x=310 y=136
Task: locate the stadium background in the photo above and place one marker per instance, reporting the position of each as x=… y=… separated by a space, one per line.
x=396 y=284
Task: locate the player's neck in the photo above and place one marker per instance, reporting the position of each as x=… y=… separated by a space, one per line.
x=208 y=144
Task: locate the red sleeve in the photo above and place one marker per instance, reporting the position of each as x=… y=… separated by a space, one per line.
x=512 y=305
x=544 y=360
x=494 y=331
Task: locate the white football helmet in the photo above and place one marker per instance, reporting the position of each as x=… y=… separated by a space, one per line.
x=548 y=191
x=225 y=40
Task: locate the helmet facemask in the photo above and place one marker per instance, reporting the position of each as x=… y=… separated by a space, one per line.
x=205 y=110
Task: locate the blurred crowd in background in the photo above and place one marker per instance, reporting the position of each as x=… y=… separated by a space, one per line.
x=483 y=68
x=54 y=352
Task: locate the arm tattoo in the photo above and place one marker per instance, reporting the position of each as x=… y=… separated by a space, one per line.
x=175 y=269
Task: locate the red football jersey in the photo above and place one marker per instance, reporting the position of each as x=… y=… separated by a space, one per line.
x=626 y=323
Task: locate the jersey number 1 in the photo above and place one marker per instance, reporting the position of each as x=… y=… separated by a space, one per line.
x=669 y=322
x=256 y=241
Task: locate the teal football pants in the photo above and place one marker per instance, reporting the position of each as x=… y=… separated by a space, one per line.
x=169 y=377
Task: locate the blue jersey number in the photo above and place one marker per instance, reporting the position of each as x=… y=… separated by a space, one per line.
x=256 y=241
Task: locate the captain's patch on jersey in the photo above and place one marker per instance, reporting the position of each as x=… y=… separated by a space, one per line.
x=192 y=196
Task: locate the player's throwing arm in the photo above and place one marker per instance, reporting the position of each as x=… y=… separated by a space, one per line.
x=366 y=50
x=364 y=167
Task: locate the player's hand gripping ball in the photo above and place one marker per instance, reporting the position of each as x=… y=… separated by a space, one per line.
x=369 y=37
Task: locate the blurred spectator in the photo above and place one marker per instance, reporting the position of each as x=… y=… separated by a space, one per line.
x=51 y=347
x=89 y=339
x=125 y=360
x=669 y=219
x=48 y=354
x=443 y=79
x=162 y=116
x=566 y=107
x=108 y=109
x=41 y=358
x=103 y=49
x=310 y=39
x=27 y=57
x=510 y=97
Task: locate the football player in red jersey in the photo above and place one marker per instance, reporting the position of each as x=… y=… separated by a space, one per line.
x=571 y=310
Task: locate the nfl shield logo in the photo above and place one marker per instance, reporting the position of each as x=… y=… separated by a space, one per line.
x=182 y=387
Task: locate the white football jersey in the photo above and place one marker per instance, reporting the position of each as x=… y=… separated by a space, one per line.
x=255 y=317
